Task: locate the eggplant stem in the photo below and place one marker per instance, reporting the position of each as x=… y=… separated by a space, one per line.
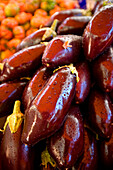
x=72 y=68
x=50 y=31
x=1 y=66
x=46 y=158
x=15 y=119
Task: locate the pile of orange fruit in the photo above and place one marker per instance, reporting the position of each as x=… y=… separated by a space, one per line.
x=19 y=18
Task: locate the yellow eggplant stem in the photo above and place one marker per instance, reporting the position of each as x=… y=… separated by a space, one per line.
x=15 y=119
x=1 y=66
x=54 y=25
x=45 y=43
x=72 y=68
x=46 y=158
x=50 y=31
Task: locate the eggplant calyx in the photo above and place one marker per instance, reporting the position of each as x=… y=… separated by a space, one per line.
x=15 y=119
x=46 y=158
x=72 y=68
x=51 y=30
x=1 y=66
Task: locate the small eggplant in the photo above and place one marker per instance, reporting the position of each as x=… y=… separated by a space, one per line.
x=48 y=110
x=103 y=70
x=66 y=145
x=37 y=82
x=84 y=84
x=38 y=36
x=9 y=92
x=33 y=39
x=98 y=34
x=100 y=113
x=61 y=50
x=22 y=63
x=89 y=159
x=106 y=153
x=14 y=155
x=63 y=14
x=74 y=25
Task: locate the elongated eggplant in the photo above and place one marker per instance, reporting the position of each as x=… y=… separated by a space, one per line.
x=14 y=155
x=22 y=63
x=63 y=14
x=74 y=25
x=98 y=34
x=89 y=159
x=61 y=50
x=37 y=82
x=9 y=92
x=33 y=39
x=103 y=70
x=106 y=153
x=48 y=110
x=66 y=145
x=100 y=113
x=38 y=36
x=83 y=86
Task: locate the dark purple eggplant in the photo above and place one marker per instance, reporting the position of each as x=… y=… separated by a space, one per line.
x=61 y=50
x=84 y=83
x=98 y=35
x=63 y=14
x=89 y=159
x=106 y=153
x=100 y=113
x=37 y=82
x=22 y=63
x=74 y=25
x=48 y=110
x=66 y=145
x=9 y=92
x=14 y=155
x=103 y=70
x=38 y=36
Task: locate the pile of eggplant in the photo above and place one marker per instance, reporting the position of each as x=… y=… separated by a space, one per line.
x=56 y=95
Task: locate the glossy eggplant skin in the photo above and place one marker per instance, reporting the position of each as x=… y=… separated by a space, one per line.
x=98 y=34
x=9 y=92
x=14 y=154
x=37 y=82
x=66 y=145
x=100 y=113
x=22 y=63
x=103 y=70
x=106 y=156
x=48 y=110
x=84 y=84
x=63 y=14
x=89 y=159
x=74 y=25
x=55 y=54
x=33 y=39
